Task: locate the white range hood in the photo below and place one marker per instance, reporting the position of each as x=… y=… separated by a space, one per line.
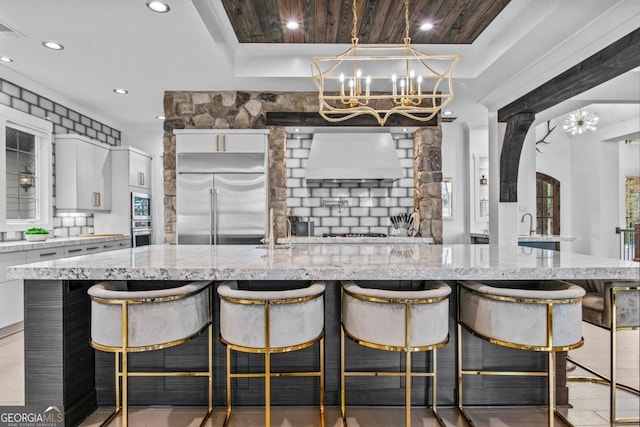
x=353 y=157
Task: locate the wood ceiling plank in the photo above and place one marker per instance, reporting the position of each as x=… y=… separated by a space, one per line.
x=480 y=19
x=345 y=23
x=448 y=27
x=320 y=24
x=379 y=18
x=284 y=13
x=235 y=12
x=309 y=23
x=389 y=33
x=334 y=9
x=429 y=14
x=365 y=21
x=267 y=11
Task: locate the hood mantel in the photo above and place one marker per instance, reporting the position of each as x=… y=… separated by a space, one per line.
x=353 y=157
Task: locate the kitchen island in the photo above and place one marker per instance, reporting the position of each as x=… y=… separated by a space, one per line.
x=61 y=367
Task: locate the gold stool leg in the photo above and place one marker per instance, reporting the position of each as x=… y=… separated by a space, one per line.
x=407 y=389
x=342 y=380
x=267 y=388
x=228 y=415
x=322 y=381
x=552 y=386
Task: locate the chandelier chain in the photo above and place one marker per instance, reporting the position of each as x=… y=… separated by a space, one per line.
x=354 y=33
x=407 y=39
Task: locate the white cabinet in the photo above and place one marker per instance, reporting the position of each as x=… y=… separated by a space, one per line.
x=136 y=162
x=481 y=187
x=221 y=141
x=12 y=290
x=83 y=174
x=131 y=173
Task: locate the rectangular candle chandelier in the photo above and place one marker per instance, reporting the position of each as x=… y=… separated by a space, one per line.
x=382 y=80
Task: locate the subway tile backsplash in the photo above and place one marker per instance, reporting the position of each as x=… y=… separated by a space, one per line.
x=368 y=205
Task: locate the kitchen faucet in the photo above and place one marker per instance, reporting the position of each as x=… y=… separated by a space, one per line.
x=531 y=229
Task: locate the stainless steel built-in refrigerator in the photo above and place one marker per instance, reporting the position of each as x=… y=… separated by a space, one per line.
x=220 y=198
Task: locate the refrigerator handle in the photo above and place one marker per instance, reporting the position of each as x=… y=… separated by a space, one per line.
x=210 y=214
x=215 y=215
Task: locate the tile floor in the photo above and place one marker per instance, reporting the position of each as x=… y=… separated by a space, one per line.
x=590 y=401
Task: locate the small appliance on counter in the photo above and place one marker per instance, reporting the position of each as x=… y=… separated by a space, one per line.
x=303 y=228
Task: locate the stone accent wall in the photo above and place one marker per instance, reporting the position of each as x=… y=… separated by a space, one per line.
x=427 y=165
x=247 y=110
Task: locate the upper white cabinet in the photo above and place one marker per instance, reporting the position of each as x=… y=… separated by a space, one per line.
x=137 y=162
x=221 y=141
x=83 y=174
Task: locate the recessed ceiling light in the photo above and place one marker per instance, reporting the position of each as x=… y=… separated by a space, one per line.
x=5 y=59
x=160 y=117
x=293 y=25
x=52 y=45
x=120 y=91
x=296 y=130
x=426 y=26
x=447 y=113
x=405 y=130
x=158 y=6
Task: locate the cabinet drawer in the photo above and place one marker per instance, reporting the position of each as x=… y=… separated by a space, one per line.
x=44 y=254
x=9 y=259
x=75 y=250
x=115 y=245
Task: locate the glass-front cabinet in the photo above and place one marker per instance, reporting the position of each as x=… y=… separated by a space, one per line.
x=481 y=187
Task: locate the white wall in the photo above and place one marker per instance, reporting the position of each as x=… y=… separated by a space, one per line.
x=149 y=140
x=591 y=169
x=455 y=164
x=478 y=144
x=555 y=160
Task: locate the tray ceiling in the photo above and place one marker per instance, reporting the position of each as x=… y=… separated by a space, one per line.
x=379 y=21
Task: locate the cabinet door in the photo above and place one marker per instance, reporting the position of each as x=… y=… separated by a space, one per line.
x=216 y=142
x=85 y=178
x=139 y=170
x=102 y=176
x=243 y=143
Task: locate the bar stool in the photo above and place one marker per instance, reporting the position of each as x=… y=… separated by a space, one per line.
x=124 y=322
x=546 y=320
x=269 y=322
x=613 y=305
x=401 y=321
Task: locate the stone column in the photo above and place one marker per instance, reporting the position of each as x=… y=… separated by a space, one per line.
x=427 y=168
x=278 y=179
x=169 y=183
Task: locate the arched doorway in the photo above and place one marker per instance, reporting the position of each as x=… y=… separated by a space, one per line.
x=547 y=204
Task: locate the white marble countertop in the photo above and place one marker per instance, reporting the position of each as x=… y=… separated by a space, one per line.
x=357 y=240
x=545 y=238
x=54 y=242
x=329 y=262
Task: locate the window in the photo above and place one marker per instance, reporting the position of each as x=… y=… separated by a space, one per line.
x=25 y=171
x=632 y=201
x=547 y=204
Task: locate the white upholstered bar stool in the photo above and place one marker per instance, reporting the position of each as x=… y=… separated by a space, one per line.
x=125 y=321
x=401 y=321
x=613 y=305
x=547 y=319
x=268 y=322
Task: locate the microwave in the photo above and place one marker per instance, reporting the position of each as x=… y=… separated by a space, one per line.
x=140 y=206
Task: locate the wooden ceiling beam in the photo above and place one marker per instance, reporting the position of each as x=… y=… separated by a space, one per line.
x=619 y=57
x=316 y=120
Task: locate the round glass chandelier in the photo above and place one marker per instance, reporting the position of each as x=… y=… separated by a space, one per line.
x=382 y=80
x=580 y=122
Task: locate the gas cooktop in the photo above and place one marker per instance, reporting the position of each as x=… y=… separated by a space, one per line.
x=354 y=235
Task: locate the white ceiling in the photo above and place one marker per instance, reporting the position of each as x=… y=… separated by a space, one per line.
x=121 y=43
